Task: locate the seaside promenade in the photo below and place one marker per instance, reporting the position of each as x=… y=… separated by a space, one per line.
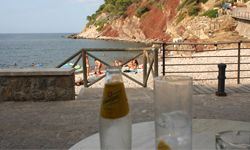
x=60 y=125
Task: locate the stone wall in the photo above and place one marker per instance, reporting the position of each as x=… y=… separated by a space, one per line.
x=200 y=26
x=52 y=84
x=243 y=27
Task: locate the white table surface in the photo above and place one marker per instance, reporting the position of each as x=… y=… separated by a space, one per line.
x=143 y=134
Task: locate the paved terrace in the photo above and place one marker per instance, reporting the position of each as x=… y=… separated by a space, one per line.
x=59 y=125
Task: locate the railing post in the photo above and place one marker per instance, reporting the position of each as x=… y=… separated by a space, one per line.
x=163 y=57
x=221 y=80
x=144 y=68
x=238 y=77
x=156 y=62
x=84 y=68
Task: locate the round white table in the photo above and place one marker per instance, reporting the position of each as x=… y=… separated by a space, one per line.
x=143 y=134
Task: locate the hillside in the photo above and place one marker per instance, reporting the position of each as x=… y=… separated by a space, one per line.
x=157 y=20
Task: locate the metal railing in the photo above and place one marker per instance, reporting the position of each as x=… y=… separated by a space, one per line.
x=143 y=51
x=241 y=15
x=238 y=63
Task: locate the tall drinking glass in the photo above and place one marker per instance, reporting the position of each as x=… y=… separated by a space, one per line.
x=173 y=97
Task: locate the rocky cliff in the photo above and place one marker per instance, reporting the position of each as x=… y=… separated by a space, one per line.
x=133 y=28
x=159 y=23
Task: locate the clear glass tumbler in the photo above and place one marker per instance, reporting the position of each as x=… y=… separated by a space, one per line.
x=173 y=97
x=231 y=140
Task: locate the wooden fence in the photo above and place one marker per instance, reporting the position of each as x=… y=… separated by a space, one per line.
x=143 y=51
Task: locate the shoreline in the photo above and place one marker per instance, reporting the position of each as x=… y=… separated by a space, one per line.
x=127 y=40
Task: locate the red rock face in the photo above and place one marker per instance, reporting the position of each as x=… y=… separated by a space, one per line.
x=152 y=27
x=109 y=32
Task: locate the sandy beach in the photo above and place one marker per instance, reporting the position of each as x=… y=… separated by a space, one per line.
x=193 y=60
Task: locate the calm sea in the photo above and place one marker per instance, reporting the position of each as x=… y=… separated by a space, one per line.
x=51 y=49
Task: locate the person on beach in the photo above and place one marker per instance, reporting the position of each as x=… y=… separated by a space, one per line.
x=15 y=64
x=160 y=50
x=115 y=64
x=136 y=64
x=99 y=66
x=87 y=65
x=133 y=65
x=219 y=12
x=33 y=64
x=120 y=63
x=80 y=82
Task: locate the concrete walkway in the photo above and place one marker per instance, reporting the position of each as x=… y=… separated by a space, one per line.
x=59 y=125
x=231 y=88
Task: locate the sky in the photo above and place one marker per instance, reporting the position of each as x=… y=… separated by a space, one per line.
x=46 y=16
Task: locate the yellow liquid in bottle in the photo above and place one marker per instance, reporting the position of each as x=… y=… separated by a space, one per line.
x=114 y=101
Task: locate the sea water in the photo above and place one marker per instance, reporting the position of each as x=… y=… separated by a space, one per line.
x=175 y=129
x=51 y=49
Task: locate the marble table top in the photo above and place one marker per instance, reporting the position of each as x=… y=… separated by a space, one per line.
x=143 y=134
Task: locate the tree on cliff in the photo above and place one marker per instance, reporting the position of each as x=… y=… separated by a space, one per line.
x=114 y=8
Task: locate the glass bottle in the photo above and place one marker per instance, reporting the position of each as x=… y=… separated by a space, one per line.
x=115 y=120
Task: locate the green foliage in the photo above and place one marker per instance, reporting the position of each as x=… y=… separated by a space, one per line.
x=89 y=18
x=122 y=5
x=141 y=10
x=121 y=13
x=100 y=24
x=211 y=13
x=115 y=8
x=193 y=11
x=203 y=1
x=135 y=1
x=88 y=24
x=149 y=3
x=189 y=2
x=159 y=6
x=112 y=2
x=186 y=3
x=180 y=17
x=192 y=4
x=144 y=15
x=245 y=1
x=110 y=8
x=182 y=5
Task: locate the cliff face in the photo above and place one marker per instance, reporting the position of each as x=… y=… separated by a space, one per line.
x=152 y=28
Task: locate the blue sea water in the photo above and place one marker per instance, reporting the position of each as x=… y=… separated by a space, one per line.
x=51 y=49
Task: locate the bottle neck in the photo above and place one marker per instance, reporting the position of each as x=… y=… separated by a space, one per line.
x=113 y=74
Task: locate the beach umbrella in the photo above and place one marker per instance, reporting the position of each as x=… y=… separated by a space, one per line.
x=69 y=65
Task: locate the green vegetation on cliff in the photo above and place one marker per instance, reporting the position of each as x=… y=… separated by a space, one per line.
x=117 y=8
x=144 y=15
x=211 y=13
x=190 y=7
x=141 y=10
